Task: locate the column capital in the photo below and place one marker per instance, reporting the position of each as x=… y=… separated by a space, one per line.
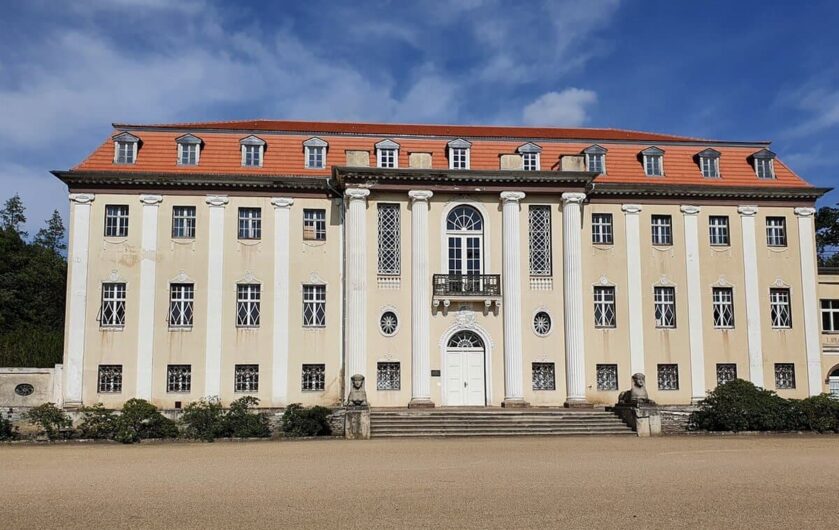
x=631 y=209
x=151 y=200
x=573 y=197
x=805 y=212
x=747 y=210
x=689 y=209
x=357 y=194
x=217 y=201
x=81 y=198
x=282 y=202
x=512 y=196
x=420 y=195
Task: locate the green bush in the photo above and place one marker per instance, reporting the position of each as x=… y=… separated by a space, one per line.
x=299 y=421
x=140 y=420
x=7 y=431
x=98 y=423
x=819 y=413
x=242 y=423
x=204 y=420
x=741 y=406
x=50 y=419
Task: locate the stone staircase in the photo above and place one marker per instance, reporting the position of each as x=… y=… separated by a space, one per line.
x=494 y=422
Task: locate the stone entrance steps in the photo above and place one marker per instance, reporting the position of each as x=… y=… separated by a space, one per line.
x=494 y=422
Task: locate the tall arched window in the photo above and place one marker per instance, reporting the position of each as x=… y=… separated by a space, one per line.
x=464 y=231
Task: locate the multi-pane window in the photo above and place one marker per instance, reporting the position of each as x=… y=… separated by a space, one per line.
x=653 y=166
x=726 y=372
x=662 y=230
x=389 y=255
x=604 y=307
x=830 y=316
x=594 y=162
x=388 y=158
x=116 y=220
x=764 y=169
x=179 y=378
x=252 y=155
x=181 y=298
x=314 y=305
x=718 y=230
x=779 y=308
x=607 y=377
x=540 y=240
x=110 y=378
x=113 y=305
x=776 y=231
x=125 y=152
x=314 y=225
x=388 y=376
x=602 y=232
x=784 y=376
x=315 y=157
x=246 y=378
x=183 y=222
x=188 y=154
x=459 y=157
x=668 y=377
x=665 y=307
x=250 y=223
x=544 y=376
x=247 y=304
x=313 y=377
x=723 y=302
x=530 y=161
x=710 y=166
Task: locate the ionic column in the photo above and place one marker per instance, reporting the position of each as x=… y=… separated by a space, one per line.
x=215 y=295
x=697 y=348
x=807 y=251
x=356 y=282
x=511 y=300
x=77 y=258
x=573 y=297
x=279 y=360
x=420 y=302
x=632 y=215
x=747 y=220
x=146 y=314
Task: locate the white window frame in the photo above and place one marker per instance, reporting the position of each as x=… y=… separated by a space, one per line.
x=664 y=300
x=183 y=222
x=186 y=149
x=661 y=228
x=780 y=308
x=605 y=310
x=765 y=168
x=181 y=305
x=602 y=228
x=119 y=213
x=590 y=157
x=458 y=156
x=541 y=259
x=312 y=156
x=710 y=166
x=248 y=305
x=114 y=295
x=830 y=314
x=124 y=149
x=650 y=160
x=250 y=223
x=314 y=224
x=719 y=233
x=531 y=159
x=387 y=157
x=776 y=231
x=314 y=305
x=389 y=241
x=722 y=307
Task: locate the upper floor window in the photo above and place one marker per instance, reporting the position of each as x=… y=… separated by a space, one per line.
x=314 y=305
x=776 y=231
x=315 y=153
x=116 y=220
x=459 y=151
x=604 y=307
x=595 y=159
x=601 y=229
x=125 y=148
x=653 y=162
x=718 y=230
x=830 y=316
x=183 y=222
x=112 y=313
x=248 y=297
x=387 y=154
x=662 y=229
x=723 y=300
x=189 y=150
x=250 y=223
x=530 y=157
x=764 y=164
x=314 y=225
x=709 y=163
x=389 y=255
x=779 y=308
x=252 y=150
x=540 y=240
x=665 y=307
x=181 y=298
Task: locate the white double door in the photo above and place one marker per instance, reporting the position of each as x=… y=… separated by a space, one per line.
x=465 y=377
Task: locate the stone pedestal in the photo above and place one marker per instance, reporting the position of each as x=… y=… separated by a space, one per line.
x=645 y=420
x=357 y=423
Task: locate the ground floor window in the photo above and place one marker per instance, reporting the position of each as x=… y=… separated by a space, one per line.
x=110 y=378
x=179 y=378
x=668 y=377
x=544 y=376
x=784 y=376
x=833 y=383
x=388 y=376
x=314 y=377
x=607 y=377
x=246 y=378
x=726 y=372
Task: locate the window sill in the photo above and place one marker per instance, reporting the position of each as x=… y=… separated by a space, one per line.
x=607 y=328
x=115 y=240
x=247 y=328
x=180 y=392
x=314 y=328
x=246 y=391
x=111 y=328
x=313 y=391
x=249 y=242
x=603 y=246
x=781 y=329
x=109 y=393
x=180 y=329
x=183 y=240
x=725 y=328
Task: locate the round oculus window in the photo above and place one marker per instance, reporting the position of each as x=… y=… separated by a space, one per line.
x=389 y=322
x=24 y=389
x=542 y=323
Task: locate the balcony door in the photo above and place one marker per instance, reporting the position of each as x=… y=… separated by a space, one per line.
x=465 y=235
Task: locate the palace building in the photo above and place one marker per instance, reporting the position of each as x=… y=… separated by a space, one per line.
x=450 y=265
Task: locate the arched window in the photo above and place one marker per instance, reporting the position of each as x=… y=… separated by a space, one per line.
x=464 y=231
x=833 y=382
x=465 y=339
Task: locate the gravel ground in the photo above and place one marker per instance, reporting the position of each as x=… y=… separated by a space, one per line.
x=545 y=482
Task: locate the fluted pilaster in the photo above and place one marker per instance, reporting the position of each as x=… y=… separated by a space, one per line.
x=511 y=294
x=420 y=301
x=573 y=298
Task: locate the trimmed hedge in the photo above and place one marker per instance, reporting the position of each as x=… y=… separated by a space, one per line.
x=206 y=420
x=299 y=421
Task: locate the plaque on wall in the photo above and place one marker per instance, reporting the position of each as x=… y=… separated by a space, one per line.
x=435 y=373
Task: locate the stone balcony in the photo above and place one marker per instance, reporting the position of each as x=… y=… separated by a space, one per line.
x=448 y=288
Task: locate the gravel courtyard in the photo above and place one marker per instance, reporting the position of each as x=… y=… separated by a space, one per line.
x=455 y=483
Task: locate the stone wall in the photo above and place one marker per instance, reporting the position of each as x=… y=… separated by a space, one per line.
x=674 y=418
x=29 y=387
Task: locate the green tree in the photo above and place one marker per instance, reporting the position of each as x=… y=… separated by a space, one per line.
x=827 y=236
x=52 y=235
x=12 y=217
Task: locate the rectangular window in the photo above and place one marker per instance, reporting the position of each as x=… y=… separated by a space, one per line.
x=179 y=378
x=315 y=157
x=662 y=230
x=183 y=222
x=604 y=307
x=314 y=377
x=112 y=313
x=764 y=169
x=830 y=316
x=116 y=220
x=252 y=155
x=125 y=152
x=540 y=240
x=544 y=376
x=530 y=161
x=665 y=307
x=668 y=377
x=181 y=298
x=594 y=162
x=776 y=231
x=314 y=225
x=314 y=305
x=110 y=378
x=387 y=158
x=607 y=377
x=246 y=378
x=247 y=304
x=718 y=230
x=601 y=229
x=726 y=372
x=389 y=224
x=459 y=158
x=250 y=223
x=779 y=308
x=710 y=167
x=388 y=376
x=723 y=303
x=784 y=376
x=188 y=154
x=652 y=165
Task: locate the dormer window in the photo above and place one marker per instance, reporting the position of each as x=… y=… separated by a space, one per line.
x=595 y=159
x=315 y=153
x=764 y=161
x=459 y=154
x=530 y=156
x=189 y=150
x=125 y=148
x=653 y=162
x=387 y=154
x=253 y=148
x=709 y=163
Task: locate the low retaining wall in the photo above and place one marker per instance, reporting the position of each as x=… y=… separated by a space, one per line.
x=674 y=418
x=30 y=387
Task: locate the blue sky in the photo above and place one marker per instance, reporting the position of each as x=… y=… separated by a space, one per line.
x=720 y=69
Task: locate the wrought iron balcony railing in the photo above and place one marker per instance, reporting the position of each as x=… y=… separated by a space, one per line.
x=456 y=285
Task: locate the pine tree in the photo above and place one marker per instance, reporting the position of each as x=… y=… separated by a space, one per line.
x=52 y=235
x=827 y=236
x=12 y=216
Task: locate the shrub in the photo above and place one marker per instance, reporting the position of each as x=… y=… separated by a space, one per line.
x=140 y=420
x=240 y=422
x=819 y=413
x=299 y=421
x=7 y=431
x=98 y=423
x=741 y=406
x=50 y=419
x=204 y=420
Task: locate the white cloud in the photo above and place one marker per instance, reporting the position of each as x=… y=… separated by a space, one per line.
x=567 y=108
